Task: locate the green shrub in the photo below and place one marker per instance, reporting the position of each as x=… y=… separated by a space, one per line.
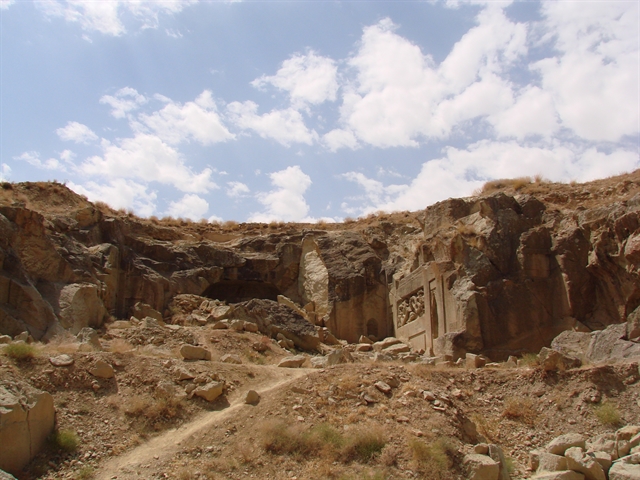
x=20 y=351
x=608 y=414
x=66 y=440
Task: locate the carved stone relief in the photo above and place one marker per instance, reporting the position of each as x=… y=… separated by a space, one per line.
x=411 y=308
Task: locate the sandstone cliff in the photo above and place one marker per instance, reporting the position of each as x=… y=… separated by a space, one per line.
x=516 y=266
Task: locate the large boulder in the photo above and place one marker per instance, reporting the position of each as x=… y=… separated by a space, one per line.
x=80 y=307
x=27 y=417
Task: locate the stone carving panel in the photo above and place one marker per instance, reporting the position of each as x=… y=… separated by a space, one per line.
x=411 y=308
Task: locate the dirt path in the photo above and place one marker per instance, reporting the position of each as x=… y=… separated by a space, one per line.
x=159 y=448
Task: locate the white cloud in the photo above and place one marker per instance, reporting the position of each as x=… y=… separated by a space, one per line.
x=76 y=132
x=147 y=158
x=33 y=159
x=106 y=16
x=307 y=78
x=119 y=193
x=461 y=171
x=400 y=96
x=532 y=113
x=338 y=138
x=198 y=120
x=237 y=189
x=5 y=172
x=190 y=206
x=4 y=4
x=286 y=201
x=594 y=76
x=283 y=126
x=124 y=101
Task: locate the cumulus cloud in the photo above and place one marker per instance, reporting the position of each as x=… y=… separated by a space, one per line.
x=237 y=189
x=4 y=4
x=106 y=17
x=190 y=206
x=286 y=201
x=198 y=120
x=119 y=193
x=33 y=159
x=461 y=171
x=5 y=172
x=147 y=158
x=284 y=126
x=400 y=96
x=307 y=78
x=124 y=101
x=594 y=76
x=532 y=113
x=76 y=132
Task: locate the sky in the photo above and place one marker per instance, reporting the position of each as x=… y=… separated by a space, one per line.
x=313 y=110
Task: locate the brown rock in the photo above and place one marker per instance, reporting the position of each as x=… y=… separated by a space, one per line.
x=192 y=352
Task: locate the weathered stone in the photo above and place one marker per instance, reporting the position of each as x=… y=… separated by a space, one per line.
x=603 y=458
x=5 y=339
x=383 y=387
x=481 y=467
x=364 y=347
x=90 y=337
x=605 y=442
x=560 y=444
x=6 y=476
x=102 y=369
x=552 y=360
x=572 y=344
x=142 y=310
x=210 y=391
x=237 y=325
x=626 y=468
x=397 y=349
x=250 y=327
x=27 y=418
x=474 y=361
x=220 y=325
x=192 y=352
x=365 y=339
x=497 y=455
x=387 y=342
x=481 y=448
x=61 y=360
x=231 y=358
x=623 y=439
x=252 y=397
x=220 y=312
x=565 y=475
x=80 y=307
x=549 y=462
x=292 y=362
x=579 y=462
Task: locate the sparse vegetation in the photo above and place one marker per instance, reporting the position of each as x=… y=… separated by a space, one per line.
x=608 y=414
x=521 y=409
x=434 y=460
x=20 y=351
x=530 y=360
x=66 y=440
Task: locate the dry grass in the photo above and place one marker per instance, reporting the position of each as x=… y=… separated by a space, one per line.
x=324 y=440
x=20 y=351
x=521 y=409
x=433 y=460
x=487 y=428
x=608 y=414
x=118 y=345
x=149 y=412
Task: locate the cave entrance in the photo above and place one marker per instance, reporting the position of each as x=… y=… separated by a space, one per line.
x=235 y=291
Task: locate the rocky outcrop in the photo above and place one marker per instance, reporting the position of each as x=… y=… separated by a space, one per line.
x=27 y=417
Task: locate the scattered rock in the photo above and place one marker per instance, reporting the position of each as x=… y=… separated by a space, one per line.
x=252 y=397
x=210 y=391
x=231 y=358
x=61 y=360
x=102 y=369
x=481 y=467
x=292 y=362
x=192 y=352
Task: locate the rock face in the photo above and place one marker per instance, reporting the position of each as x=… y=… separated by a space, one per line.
x=27 y=418
x=499 y=274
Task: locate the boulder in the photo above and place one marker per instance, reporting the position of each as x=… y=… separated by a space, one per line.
x=6 y=476
x=102 y=369
x=63 y=360
x=27 y=418
x=497 y=455
x=552 y=360
x=481 y=467
x=585 y=464
x=292 y=362
x=626 y=468
x=252 y=397
x=572 y=344
x=210 y=391
x=475 y=361
x=560 y=444
x=89 y=337
x=386 y=343
x=397 y=349
x=80 y=307
x=192 y=352
x=141 y=310
x=550 y=462
x=566 y=475
x=364 y=347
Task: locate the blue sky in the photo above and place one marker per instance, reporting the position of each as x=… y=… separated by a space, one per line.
x=308 y=110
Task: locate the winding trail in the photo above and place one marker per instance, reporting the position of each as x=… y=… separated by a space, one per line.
x=168 y=443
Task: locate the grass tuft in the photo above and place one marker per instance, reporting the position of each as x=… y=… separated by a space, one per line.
x=66 y=440
x=608 y=414
x=20 y=351
x=434 y=460
x=521 y=409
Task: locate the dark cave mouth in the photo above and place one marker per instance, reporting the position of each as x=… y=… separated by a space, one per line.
x=236 y=291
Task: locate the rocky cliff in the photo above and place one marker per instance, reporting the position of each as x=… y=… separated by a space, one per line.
x=521 y=263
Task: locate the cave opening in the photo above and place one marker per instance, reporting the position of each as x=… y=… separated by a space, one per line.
x=236 y=291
